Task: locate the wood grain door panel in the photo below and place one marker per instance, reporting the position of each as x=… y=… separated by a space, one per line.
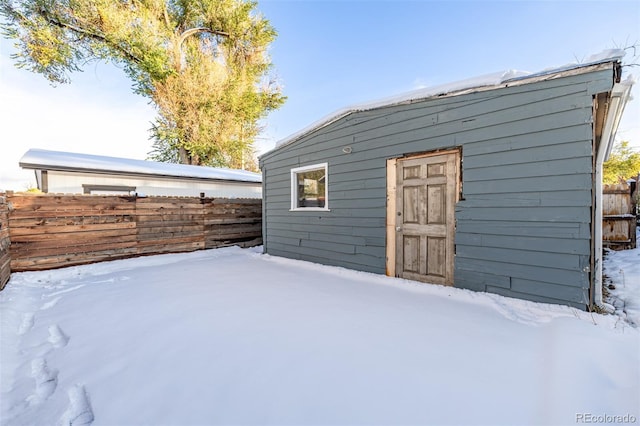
x=426 y=192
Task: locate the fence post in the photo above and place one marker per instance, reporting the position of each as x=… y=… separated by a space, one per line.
x=5 y=243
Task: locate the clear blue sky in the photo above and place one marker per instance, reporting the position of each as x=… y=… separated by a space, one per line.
x=328 y=55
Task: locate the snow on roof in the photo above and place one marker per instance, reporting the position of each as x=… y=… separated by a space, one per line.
x=58 y=160
x=493 y=80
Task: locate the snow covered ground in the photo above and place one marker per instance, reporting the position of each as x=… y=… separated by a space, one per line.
x=230 y=336
x=623 y=269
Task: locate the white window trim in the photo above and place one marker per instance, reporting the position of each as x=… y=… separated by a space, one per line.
x=294 y=187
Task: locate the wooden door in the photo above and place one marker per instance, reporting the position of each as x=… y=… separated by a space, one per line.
x=426 y=192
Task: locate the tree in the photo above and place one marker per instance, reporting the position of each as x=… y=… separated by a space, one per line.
x=203 y=63
x=623 y=163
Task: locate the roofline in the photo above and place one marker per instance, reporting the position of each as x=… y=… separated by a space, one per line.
x=619 y=97
x=517 y=80
x=36 y=166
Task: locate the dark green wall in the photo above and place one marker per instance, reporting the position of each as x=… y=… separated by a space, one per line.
x=523 y=225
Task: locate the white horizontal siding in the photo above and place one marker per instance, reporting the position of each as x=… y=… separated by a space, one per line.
x=71 y=183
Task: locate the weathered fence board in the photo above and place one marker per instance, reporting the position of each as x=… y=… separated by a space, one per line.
x=616 y=199
x=69 y=221
x=52 y=231
x=70 y=229
x=40 y=206
x=237 y=222
x=70 y=259
x=5 y=257
x=176 y=246
x=52 y=248
x=618 y=218
x=170 y=224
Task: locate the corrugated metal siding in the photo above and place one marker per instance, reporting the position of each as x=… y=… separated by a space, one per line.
x=523 y=227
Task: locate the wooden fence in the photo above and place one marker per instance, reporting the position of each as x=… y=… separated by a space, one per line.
x=618 y=217
x=5 y=258
x=52 y=231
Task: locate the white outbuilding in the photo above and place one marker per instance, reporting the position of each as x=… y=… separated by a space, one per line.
x=73 y=173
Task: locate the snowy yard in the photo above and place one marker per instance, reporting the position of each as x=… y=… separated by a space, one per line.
x=230 y=336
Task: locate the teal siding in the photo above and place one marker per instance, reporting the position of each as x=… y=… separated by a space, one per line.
x=524 y=223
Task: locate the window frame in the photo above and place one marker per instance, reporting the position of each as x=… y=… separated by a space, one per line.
x=294 y=187
x=89 y=188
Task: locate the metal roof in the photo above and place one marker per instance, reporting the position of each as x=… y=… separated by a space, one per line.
x=475 y=84
x=41 y=159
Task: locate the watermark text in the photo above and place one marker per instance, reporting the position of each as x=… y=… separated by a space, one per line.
x=605 y=418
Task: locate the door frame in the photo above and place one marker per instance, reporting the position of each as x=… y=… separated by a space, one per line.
x=391 y=203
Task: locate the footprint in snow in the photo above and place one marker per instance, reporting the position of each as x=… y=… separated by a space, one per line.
x=66 y=290
x=57 y=337
x=26 y=324
x=107 y=281
x=79 y=411
x=50 y=304
x=46 y=381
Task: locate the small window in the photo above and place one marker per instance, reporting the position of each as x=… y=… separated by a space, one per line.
x=108 y=189
x=309 y=187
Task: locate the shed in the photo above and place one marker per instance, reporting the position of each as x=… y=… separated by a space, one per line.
x=491 y=184
x=66 y=172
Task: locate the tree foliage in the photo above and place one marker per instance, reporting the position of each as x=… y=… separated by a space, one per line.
x=623 y=163
x=203 y=63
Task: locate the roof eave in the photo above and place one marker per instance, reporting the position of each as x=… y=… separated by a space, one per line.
x=40 y=166
x=620 y=96
x=510 y=82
